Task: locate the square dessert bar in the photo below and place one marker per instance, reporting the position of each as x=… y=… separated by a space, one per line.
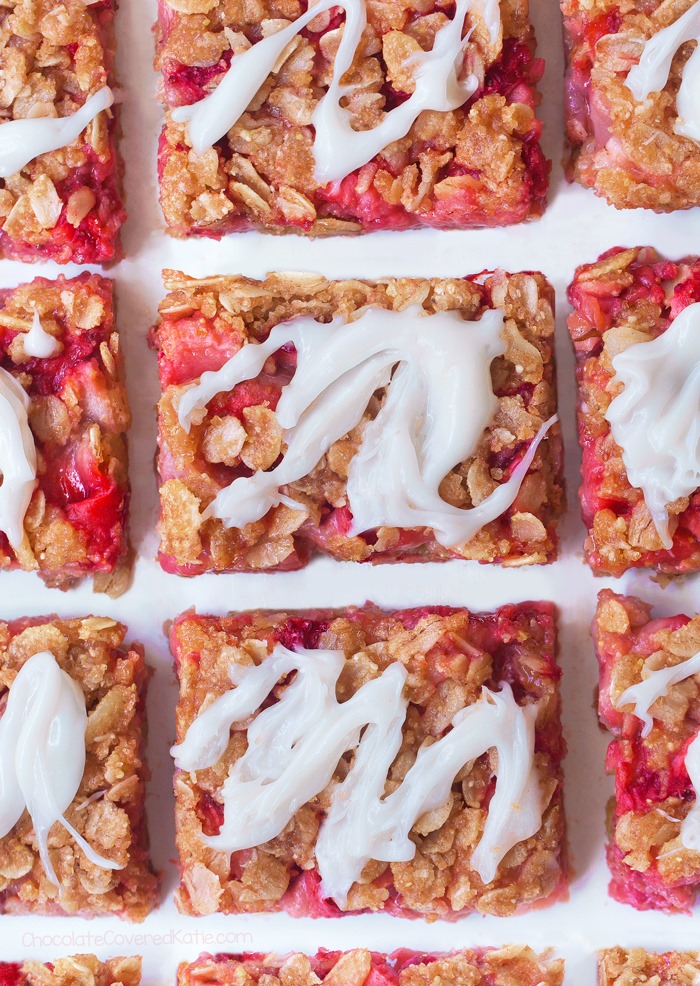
x=360 y=967
x=637 y=967
x=635 y=329
x=76 y=970
x=287 y=147
x=63 y=399
x=285 y=827
x=632 y=117
x=60 y=195
x=650 y=702
x=474 y=470
x=73 y=834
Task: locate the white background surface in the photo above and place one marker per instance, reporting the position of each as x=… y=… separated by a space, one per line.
x=576 y=228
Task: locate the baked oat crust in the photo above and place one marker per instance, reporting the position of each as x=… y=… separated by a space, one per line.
x=649 y=865
x=65 y=205
x=449 y=655
x=626 y=151
x=77 y=970
x=444 y=173
x=514 y=965
x=627 y=296
x=204 y=322
x=637 y=967
x=108 y=809
x=79 y=415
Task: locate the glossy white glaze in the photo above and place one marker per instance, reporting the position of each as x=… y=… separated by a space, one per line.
x=42 y=754
x=23 y=140
x=439 y=402
x=17 y=458
x=294 y=747
x=656 y=418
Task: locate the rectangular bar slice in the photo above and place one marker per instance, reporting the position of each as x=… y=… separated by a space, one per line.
x=360 y=967
x=63 y=403
x=76 y=970
x=650 y=702
x=279 y=808
x=283 y=450
x=73 y=834
x=433 y=125
x=637 y=967
x=636 y=333
x=60 y=195
x=632 y=116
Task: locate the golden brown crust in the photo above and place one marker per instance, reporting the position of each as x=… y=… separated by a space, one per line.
x=637 y=967
x=81 y=970
x=108 y=809
x=203 y=322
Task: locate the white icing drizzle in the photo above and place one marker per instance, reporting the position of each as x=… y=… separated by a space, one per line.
x=38 y=342
x=23 y=140
x=294 y=747
x=656 y=418
x=439 y=402
x=338 y=148
x=42 y=754
x=654 y=67
x=642 y=696
x=17 y=458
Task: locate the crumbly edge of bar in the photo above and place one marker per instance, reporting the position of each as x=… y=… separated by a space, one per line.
x=637 y=967
x=109 y=807
x=82 y=970
x=513 y=965
x=240 y=310
x=434 y=884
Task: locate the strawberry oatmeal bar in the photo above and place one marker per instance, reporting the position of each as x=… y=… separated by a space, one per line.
x=650 y=702
x=76 y=970
x=283 y=802
x=278 y=396
x=636 y=333
x=633 y=119
x=63 y=405
x=60 y=193
x=637 y=967
x=335 y=118
x=73 y=834
x=477 y=967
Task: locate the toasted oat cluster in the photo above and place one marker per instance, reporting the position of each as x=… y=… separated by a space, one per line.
x=76 y=522
x=478 y=165
x=637 y=967
x=450 y=656
x=205 y=322
x=515 y=965
x=650 y=866
x=108 y=809
x=76 y=970
x=627 y=150
x=626 y=297
x=64 y=205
